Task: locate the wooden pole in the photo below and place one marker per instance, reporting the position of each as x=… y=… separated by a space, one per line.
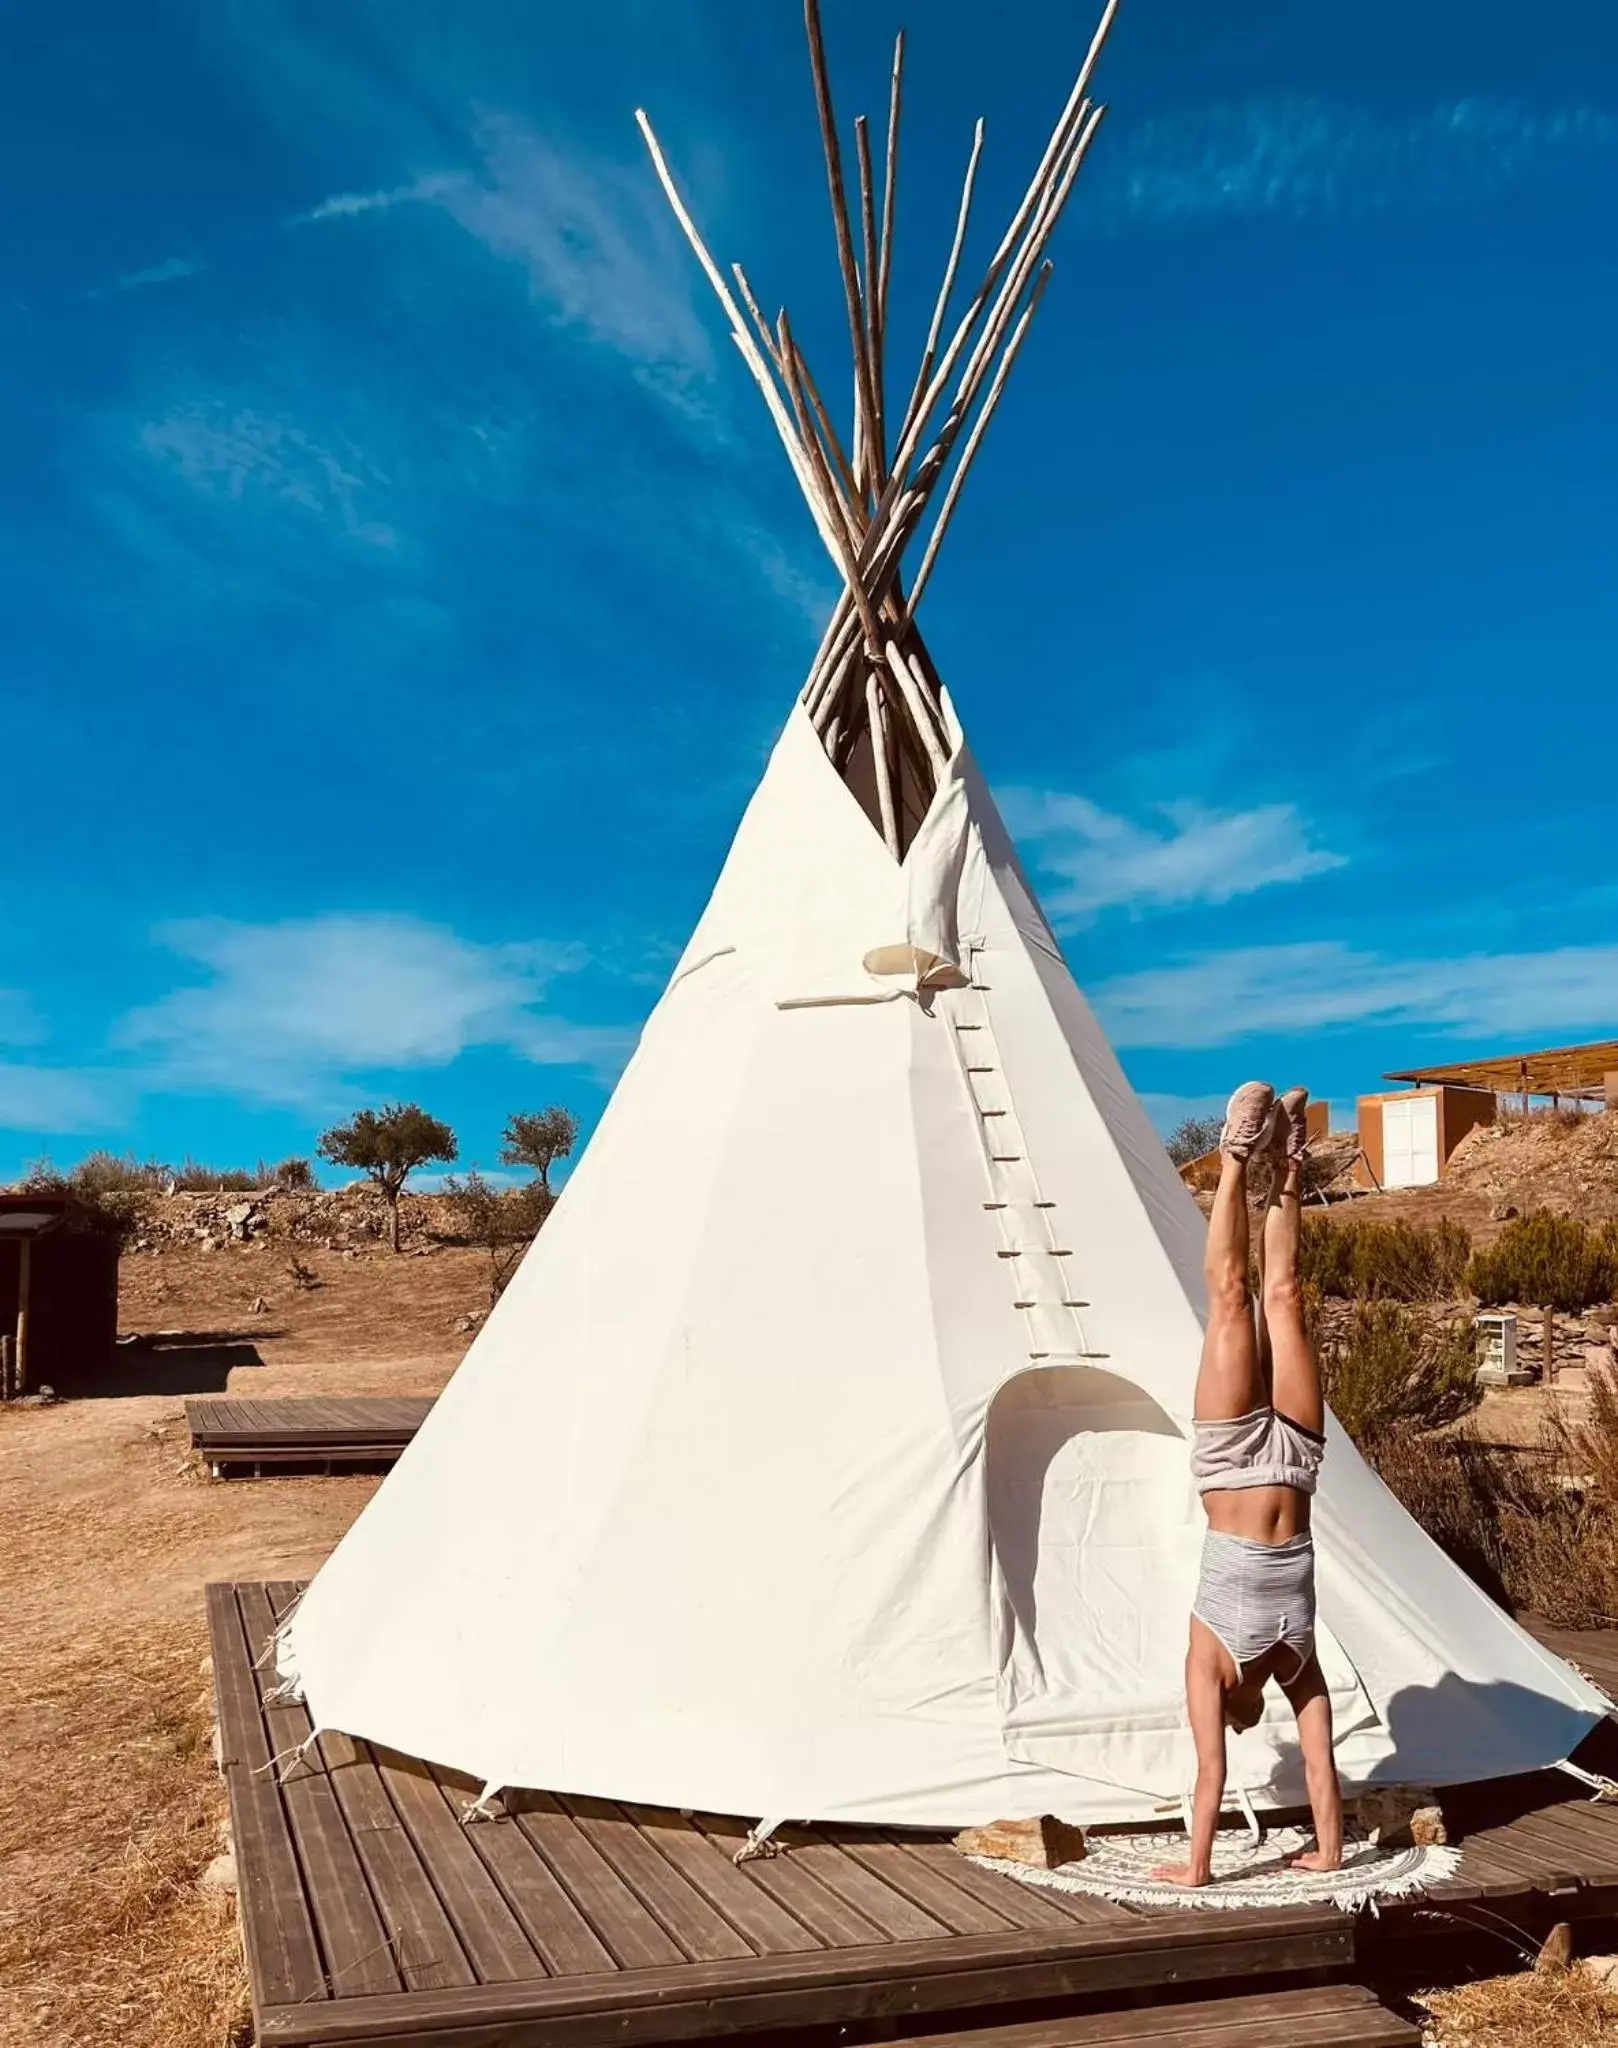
x=875 y=449
x=926 y=720
x=876 y=712
x=847 y=545
x=890 y=179
x=744 y=340
x=940 y=524
x=865 y=396
x=941 y=304
x=19 y=1363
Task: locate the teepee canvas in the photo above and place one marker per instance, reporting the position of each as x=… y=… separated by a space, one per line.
x=827 y=1456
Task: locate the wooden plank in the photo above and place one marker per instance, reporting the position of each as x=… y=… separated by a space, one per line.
x=358 y=1949
x=826 y=1859
x=541 y=1905
x=962 y=1912
x=636 y=1939
x=1022 y=1904
x=1307 y=2018
x=895 y=1980
x=283 y=1959
x=425 y=1944
x=698 y=1927
x=1586 y=1838
x=489 y=1933
x=792 y=1886
x=770 y=1929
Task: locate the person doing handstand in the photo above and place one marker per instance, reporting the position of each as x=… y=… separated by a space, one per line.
x=1258 y=1422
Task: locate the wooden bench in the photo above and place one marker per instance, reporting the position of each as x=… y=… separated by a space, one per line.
x=1328 y=2016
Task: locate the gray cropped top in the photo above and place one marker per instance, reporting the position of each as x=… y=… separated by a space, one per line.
x=1260 y=1448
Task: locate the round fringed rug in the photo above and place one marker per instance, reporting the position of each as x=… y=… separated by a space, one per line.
x=1246 y=1873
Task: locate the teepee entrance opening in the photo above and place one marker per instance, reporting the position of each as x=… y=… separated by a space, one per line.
x=1094 y=1541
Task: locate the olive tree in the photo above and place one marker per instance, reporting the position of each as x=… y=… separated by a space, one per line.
x=538 y=1139
x=389 y=1144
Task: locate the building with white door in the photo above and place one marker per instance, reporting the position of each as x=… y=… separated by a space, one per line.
x=1406 y=1138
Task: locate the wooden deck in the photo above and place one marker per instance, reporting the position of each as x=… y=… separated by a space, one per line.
x=372 y=1914
x=235 y=1436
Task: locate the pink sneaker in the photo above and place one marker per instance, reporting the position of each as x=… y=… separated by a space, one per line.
x=1249 y=1120
x=1292 y=1125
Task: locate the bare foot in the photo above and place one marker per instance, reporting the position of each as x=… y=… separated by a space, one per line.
x=1179 y=1873
x=1314 y=1859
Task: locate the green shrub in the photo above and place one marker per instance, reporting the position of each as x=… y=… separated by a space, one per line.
x=1393 y=1368
x=1550 y=1260
x=1368 y=1261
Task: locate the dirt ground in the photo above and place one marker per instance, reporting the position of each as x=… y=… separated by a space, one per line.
x=110 y=1808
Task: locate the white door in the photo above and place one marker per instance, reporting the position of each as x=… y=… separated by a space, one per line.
x=1410 y=1142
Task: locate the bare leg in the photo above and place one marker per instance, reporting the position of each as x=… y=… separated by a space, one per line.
x=1229 y=1381
x=1295 y=1370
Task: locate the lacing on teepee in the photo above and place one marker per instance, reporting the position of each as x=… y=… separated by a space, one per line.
x=872 y=691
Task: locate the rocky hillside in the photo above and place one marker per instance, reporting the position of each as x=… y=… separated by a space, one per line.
x=338 y=1219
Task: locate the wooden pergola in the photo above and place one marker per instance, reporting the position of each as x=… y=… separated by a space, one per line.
x=1581 y=1073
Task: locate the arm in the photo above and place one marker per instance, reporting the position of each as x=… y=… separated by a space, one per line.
x=1311 y=1703
x=1204 y=1699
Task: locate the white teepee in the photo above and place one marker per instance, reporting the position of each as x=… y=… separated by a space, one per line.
x=826 y=1458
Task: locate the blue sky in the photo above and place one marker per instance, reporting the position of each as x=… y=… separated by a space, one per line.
x=401 y=586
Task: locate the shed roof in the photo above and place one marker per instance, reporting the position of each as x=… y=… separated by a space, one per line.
x=1573 y=1070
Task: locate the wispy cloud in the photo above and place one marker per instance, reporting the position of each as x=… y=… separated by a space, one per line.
x=290 y=1009
x=52 y=1100
x=1274 y=991
x=236 y=452
x=1187 y=854
x=171 y=271
x=20 y=1022
x=1301 y=157
x=597 y=245
x=346 y=205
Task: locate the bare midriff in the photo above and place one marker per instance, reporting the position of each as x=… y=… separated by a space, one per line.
x=1263 y=1514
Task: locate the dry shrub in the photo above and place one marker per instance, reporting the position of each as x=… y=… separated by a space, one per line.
x=1564 y=2009
x=1553 y=1261
x=504 y=1221
x=1363 y=1260
x=1394 y=1368
x=1537 y=1530
x=107 y=1939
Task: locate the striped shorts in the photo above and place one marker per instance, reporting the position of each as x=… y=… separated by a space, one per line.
x=1256 y=1595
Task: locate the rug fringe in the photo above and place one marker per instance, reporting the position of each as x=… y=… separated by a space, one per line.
x=1432 y=1866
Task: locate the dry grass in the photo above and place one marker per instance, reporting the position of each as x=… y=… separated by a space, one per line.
x=105 y=1935
x=110 y=1808
x=1564 y=2010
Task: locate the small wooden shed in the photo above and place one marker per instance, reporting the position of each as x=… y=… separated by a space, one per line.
x=58 y=1293
x=1406 y=1137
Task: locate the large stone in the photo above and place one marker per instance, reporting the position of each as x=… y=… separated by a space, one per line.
x=1402 y=1817
x=1047 y=1843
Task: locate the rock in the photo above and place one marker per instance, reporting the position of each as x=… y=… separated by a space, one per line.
x=205 y=1667
x=220 y=1875
x=1046 y=1843
x=1402 y=1817
x=239 y=1213
x=1604 y=1969
x=258 y=1306
x=1556 y=1952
